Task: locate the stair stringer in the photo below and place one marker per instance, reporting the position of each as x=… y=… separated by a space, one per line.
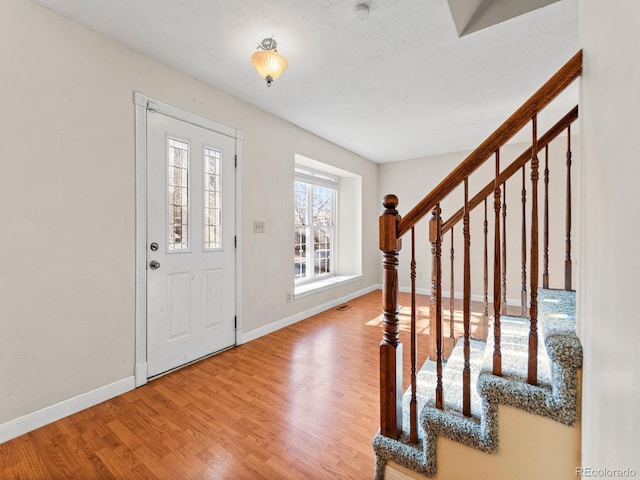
x=531 y=448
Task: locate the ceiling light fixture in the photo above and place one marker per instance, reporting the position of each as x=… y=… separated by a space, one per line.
x=268 y=62
x=361 y=11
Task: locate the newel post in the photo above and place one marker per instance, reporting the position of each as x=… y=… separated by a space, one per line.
x=390 y=347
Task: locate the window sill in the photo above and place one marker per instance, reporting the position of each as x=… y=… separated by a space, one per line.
x=321 y=285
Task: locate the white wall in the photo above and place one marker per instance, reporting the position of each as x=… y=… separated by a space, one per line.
x=67 y=205
x=412 y=179
x=609 y=232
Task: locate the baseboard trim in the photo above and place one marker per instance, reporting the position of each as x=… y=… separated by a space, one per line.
x=26 y=423
x=285 y=322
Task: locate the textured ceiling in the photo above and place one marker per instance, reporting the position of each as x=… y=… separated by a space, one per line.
x=400 y=84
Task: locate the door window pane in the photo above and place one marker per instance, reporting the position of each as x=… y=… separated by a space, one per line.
x=212 y=200
x=178 y=195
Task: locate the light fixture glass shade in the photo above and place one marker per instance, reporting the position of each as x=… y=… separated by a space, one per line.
x=269 y=63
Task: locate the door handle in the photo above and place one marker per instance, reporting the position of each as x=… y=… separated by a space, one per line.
x=154 y=265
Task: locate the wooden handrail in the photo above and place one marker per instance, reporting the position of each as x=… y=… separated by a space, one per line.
x=514 y=167
x=552 y=88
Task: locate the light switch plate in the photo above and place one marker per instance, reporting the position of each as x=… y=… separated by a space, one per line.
x=258 y=226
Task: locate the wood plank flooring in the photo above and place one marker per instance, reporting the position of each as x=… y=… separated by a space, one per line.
x=301 y=403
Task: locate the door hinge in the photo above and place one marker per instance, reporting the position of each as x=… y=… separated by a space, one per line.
x=235 y=157
x=235 y=322
x=235 y=241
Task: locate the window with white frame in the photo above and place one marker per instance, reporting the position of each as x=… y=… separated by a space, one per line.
x=314 y=254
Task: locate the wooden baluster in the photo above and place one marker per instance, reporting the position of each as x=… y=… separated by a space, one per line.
x=545 y=270
x=390 y=347
x=435 y=235
x=532 y=376
x=523 y=288
x=504 y=249
x=485 y=313
x=567 y=258
x=413 y=403
x=497 y=354
x=466 y=372
x=433 y=303
x=452 y=337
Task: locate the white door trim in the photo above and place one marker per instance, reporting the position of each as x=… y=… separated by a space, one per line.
x=142 y=105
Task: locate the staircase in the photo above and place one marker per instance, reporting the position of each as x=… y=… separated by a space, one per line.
x=556 y=397
x=464 y=411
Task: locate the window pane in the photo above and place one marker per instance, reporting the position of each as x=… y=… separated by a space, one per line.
x=322 y=231
x=212 y=216
x=322 y=250
x=300 y=253
x=300 y=232
x=300 y=205
x=178 y=195
x=321 y=205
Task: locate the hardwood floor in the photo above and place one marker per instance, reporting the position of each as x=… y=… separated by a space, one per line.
x=301 y=403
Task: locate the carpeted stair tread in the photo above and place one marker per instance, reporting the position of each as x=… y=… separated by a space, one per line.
x=514 y=348
x=425 y=385
x=452 y=377
x=450 y=422
x=451 y=381
x=558 y=327
x=559 y=357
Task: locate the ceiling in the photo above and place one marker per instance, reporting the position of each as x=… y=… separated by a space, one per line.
x=400 y=84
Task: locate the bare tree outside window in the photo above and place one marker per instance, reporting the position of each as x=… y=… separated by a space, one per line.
x=300 y=231
x=314 y=230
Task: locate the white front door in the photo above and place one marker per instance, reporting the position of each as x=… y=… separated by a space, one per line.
x=190 y=242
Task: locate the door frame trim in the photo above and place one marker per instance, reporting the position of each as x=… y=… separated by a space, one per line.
x=143 y=104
